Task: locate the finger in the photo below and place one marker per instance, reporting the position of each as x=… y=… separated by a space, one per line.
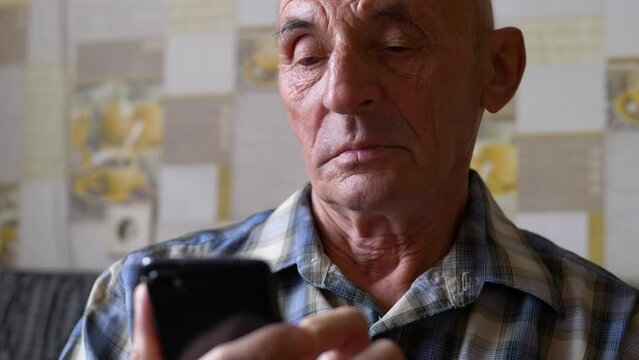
x=344 y=329
x=277 y=341
x=145 y=341
x=380 y=350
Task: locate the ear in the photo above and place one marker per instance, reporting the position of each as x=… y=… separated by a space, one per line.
x=507 y=61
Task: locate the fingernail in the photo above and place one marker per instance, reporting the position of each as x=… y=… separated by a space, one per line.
x=329 y=355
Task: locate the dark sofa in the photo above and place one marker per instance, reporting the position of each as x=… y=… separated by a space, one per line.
x=38 y=312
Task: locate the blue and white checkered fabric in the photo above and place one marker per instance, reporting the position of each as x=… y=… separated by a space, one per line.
x=500 y=293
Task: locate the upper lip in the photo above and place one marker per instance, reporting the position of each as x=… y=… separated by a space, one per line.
x=353 y=147
x=356 y=146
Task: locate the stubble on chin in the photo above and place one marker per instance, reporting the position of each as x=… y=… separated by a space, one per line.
x=358 y=191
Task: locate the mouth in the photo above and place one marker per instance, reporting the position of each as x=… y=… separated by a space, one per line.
x=361 y=153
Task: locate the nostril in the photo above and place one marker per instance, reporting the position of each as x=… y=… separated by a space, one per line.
x=367 y=102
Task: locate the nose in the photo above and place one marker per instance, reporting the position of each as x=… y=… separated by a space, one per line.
x=351 y=82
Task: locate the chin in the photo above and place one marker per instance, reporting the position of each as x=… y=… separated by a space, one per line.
x=364 y=192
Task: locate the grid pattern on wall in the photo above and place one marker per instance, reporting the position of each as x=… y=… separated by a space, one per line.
x=125 y=123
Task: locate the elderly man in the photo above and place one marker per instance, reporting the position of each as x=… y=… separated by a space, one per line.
x=385 y=98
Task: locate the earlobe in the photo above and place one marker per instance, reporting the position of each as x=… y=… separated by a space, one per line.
x=506 y=68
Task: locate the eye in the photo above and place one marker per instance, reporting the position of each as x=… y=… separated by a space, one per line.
x=308 y=51
x=397 y=49
x=309 y=61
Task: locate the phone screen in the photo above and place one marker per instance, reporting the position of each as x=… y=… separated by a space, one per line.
x=198 y=304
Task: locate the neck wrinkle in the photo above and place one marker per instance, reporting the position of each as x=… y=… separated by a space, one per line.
x=384 y=253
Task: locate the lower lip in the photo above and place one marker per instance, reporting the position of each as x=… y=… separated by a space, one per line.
x=361 y=155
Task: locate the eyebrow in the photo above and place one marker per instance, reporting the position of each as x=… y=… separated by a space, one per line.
x=291 y=24
x=397 y=11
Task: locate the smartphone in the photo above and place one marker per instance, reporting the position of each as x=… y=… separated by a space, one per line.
x=200 y=303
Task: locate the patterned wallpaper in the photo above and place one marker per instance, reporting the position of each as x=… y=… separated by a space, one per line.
x=124 y=123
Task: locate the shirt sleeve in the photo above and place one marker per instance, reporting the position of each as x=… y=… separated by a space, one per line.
x=102 y=332
x=630 y=345
x=73 y=345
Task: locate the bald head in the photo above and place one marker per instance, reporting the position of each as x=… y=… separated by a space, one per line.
x=484 y=23
x=485 y=18
x=468 y=18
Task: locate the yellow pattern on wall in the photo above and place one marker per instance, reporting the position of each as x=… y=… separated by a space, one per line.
x=596 y=246
x=224 y=197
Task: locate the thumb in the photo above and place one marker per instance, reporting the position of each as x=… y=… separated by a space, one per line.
x=145 y=340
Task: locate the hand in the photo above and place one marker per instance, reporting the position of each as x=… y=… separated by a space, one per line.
x=343 y=334
x=339 y=334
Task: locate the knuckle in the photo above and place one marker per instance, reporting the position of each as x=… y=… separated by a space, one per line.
x=219 y=352
x=355 y=315
x=137 y=353
x=389 y=348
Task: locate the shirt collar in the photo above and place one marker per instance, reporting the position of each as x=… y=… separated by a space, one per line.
x=513 y=261
x=488 y=248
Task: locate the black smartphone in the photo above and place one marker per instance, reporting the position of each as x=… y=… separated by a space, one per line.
x=200 y=303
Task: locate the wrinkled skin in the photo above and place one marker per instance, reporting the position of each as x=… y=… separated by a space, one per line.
x=384 y=98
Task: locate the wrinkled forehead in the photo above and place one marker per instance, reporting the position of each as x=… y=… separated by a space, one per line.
x=457 y=13
x=347 y=8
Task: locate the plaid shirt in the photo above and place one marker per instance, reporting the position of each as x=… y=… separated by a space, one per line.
x=500 y=293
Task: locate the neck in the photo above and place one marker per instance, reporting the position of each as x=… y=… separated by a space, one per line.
x=384 y=252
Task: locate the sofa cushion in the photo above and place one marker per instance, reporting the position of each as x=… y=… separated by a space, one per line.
x=38 y=312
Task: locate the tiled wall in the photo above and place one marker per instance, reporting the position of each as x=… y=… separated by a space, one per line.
x=577 y=115
x=128 y=122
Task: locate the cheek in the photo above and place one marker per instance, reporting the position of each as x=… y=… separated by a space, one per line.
x=303 y=111
x=432 y=106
